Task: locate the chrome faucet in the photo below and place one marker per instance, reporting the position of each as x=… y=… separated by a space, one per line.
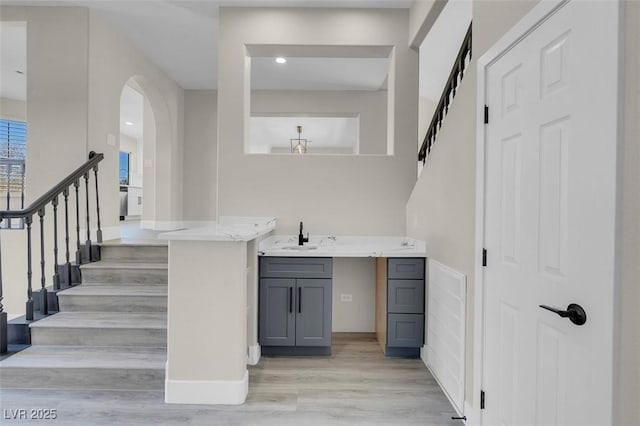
x=301 y=238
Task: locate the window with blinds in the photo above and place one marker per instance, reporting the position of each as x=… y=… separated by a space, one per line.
x=13 y=146
x=13 y=139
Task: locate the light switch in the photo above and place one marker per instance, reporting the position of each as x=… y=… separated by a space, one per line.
x=111 y=140
x=346 y=298
x=148 y=163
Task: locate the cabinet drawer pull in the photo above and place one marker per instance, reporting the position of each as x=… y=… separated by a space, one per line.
x=300 y=300
x=290 y=299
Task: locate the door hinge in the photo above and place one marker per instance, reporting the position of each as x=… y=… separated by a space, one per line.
x=486 y=114
x=482 y=400
x=484 y=257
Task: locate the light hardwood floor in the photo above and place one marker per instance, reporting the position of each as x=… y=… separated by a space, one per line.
x=356 y=385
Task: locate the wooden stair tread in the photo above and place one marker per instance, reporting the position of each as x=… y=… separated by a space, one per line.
x=46 y=356
x=151 y=290
x=125 y=265
x=104 y=320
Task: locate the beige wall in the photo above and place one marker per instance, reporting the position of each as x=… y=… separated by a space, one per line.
x=113 y=61
x=352 y=195
x=77 y=68
x=57 y=97
x=372 y=107
x=423 y=14
x=13 y=109
x=441 y=209
x=356 y=277
x=221 y=333
x=148 y=163
x=627 y=409
x=200 y=155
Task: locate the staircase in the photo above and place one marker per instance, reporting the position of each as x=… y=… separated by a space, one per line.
x=111 y=331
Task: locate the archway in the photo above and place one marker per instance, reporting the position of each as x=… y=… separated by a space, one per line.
x=131 y=153
x=160 y=186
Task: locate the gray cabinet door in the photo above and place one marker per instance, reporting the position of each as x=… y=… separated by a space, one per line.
x=313 y=312
x=405 y=268
x=277 y=312
x=405 y=296
x=405 y=330
x=296 y=267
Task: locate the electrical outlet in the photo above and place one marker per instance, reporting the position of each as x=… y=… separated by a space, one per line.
x=346 y=297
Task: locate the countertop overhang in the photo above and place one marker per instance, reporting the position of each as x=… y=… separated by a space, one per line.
x=230 y=229
x=342 y=246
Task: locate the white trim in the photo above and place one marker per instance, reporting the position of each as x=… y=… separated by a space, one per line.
x=470 y=415
x=254 y=354
x=174 y=225
x=110 y=233
x=162 y=225
x=423 y=356
x=540 y=13
x=197 y=223
x=228 y=392
x=146 y=224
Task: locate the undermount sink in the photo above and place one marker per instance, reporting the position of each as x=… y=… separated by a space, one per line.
x=296 y=247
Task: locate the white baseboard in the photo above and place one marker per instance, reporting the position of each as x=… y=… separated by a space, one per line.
x=198 y=223
x=424 y=357
x=147 y=224
x=254 y=354
x=227 y=392
x=110 y=233
x=162 y=225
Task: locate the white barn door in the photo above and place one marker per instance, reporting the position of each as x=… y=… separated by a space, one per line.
x=550 y=212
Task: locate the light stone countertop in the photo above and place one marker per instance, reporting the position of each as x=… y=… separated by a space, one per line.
x=342 y=246
x=228 y=228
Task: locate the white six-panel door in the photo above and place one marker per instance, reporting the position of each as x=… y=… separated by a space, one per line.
x=550 y=207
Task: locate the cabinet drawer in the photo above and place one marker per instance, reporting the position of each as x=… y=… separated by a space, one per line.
x=405 y=269
x=296 y=267
x=405 y=296
x=405 y=330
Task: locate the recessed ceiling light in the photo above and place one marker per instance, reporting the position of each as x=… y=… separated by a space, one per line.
x=128 y=123
x=281 y=60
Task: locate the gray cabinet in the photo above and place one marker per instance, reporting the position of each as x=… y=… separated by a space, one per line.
x=295 y=306
x=277 y=318
x=405 y=306
x=406 y=268
x=405 y=330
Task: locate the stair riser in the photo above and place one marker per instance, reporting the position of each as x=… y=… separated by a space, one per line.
x=82 y=378
x=113 y=303
x=158 y=254
x=65 y=336
x=126 y=276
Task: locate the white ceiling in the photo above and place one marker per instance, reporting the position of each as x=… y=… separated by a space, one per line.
x=324 y=133
x=440 y=47
x=181 y=35
x=319 y=73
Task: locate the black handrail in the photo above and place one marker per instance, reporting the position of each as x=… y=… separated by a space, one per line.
x=94 y=159
x=61 y=273
x=447 y=96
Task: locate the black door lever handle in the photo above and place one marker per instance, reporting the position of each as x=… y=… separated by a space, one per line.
x=574 y=312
